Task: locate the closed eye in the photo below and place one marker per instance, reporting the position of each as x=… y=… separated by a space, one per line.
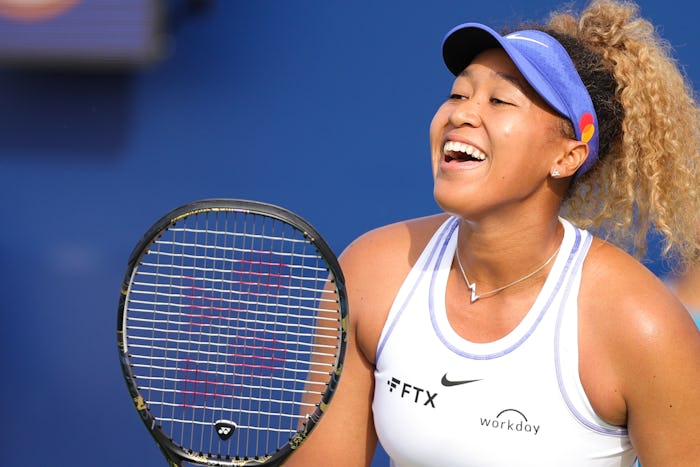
x=495 y=100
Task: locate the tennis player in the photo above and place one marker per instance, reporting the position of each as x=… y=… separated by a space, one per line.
x=518 y=327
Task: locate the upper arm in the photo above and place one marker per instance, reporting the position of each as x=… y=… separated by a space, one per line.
x=653 y=348
x=345 y=436
x=662 y=388
x=375 y=265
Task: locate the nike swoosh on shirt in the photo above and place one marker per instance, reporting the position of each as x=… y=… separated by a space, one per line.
x=447 y=382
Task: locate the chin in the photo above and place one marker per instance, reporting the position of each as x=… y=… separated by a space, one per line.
x=448 y=200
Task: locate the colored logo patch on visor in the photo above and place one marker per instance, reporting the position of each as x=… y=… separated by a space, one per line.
x=586 y=126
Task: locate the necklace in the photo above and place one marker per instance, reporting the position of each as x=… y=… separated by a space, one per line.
x=472 y=286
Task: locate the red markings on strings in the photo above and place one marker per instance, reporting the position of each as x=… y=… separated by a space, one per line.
x=262 y=263
x=211 y=301
x=253 y=288
x=203 y=383
x=251 y=357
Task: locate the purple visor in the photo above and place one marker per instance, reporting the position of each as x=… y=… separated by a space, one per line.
x=543 y=62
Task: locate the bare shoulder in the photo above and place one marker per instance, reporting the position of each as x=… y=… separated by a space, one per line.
x=399 y=242
x=640 y=356
x=626 y=304
x=375 y=265
x=618 y=289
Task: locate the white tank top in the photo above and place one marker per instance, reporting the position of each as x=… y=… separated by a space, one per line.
x=518 y=401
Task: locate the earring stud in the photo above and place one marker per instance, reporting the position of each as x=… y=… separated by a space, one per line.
x=555 y=173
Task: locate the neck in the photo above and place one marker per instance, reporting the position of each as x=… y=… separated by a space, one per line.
x=494 y=255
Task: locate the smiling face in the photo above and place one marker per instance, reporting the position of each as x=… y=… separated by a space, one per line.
x=494 y=141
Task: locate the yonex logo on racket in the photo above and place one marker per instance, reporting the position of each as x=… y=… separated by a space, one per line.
x=224 y=429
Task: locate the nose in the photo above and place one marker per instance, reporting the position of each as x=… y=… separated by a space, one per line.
x=466 y=112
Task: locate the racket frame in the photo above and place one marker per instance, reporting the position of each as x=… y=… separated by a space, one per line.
x=174 y=453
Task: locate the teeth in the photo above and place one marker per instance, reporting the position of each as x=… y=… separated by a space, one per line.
x=456 y=146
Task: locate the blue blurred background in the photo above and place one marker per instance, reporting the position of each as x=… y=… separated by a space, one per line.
x=319 y=106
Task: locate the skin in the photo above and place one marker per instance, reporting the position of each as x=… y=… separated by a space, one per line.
x=639 y=349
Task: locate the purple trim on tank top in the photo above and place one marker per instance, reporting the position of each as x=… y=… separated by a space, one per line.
x=529 y=332
x=446 y=229
x=557 y=362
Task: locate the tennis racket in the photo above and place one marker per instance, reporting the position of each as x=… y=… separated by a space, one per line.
x=231 y=330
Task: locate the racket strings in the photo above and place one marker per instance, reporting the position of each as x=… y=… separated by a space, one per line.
x=230 y=317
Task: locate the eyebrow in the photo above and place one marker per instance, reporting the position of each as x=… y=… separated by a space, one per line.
x=524 y=88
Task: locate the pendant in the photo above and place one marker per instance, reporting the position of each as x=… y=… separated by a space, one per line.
x=474 y=296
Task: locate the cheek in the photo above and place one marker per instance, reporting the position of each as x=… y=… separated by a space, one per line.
x=507 y=131
x=529 y=149
x=513 y=131
x=514 y=137
x=438 y=124
x=437 y=130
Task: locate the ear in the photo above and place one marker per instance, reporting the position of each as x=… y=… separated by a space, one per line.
x=570 y=159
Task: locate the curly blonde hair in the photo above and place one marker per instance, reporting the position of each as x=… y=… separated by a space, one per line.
x=647 y=174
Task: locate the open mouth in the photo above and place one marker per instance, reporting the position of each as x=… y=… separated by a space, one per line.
x=462 y=152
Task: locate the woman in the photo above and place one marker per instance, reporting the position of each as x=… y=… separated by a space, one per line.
x=499 y=333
